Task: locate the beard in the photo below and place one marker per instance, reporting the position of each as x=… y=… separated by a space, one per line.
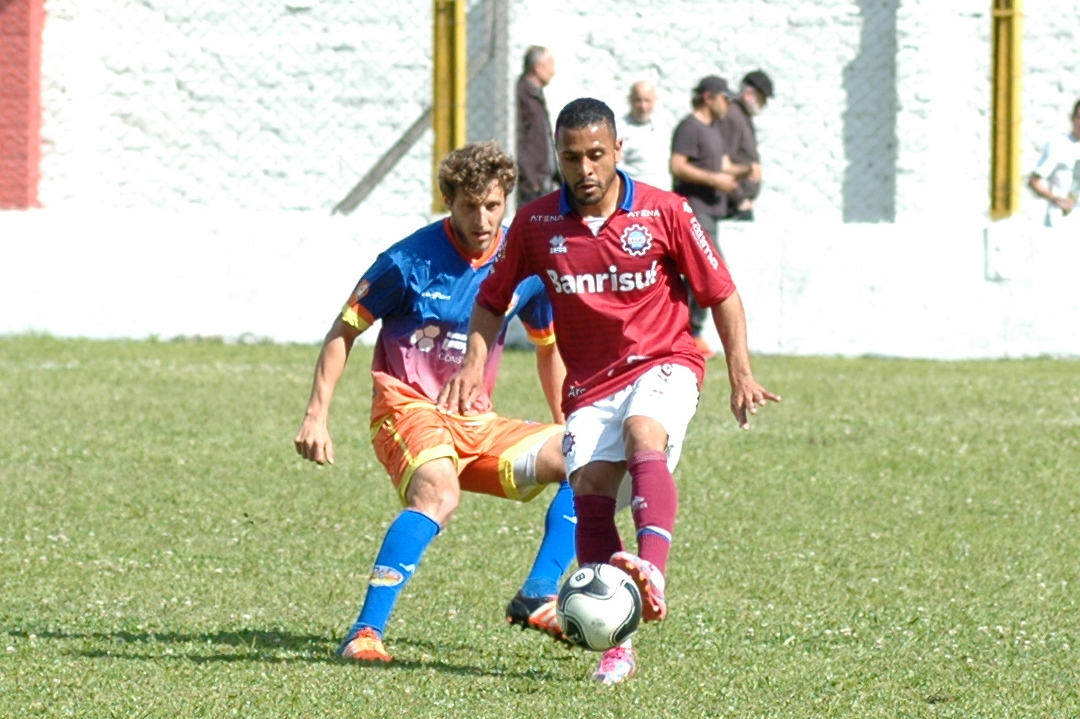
x=597 y=194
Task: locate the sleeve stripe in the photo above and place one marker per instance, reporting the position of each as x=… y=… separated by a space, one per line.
x=356 y=316
x=541 y=338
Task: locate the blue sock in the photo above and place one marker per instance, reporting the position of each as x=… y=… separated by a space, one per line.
x=557 y=548
x=405 y=541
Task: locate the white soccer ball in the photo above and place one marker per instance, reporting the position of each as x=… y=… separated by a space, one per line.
x=598 y=607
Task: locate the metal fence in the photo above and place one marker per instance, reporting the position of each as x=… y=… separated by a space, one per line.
x=487 y=119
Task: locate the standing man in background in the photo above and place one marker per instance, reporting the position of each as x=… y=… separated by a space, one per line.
x=535 y=150
x=740 y=141
x=646 y=145
x=1056 y=177
x=702 y=173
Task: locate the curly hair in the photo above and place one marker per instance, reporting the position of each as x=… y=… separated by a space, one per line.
x=474 y=167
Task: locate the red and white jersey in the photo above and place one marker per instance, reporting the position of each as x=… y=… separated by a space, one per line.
x=620 y=305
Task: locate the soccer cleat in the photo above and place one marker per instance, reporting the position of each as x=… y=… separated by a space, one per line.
x=704 y=348
x=649 y=581
x=364 y=646
x=535 y=613
x=616 y=665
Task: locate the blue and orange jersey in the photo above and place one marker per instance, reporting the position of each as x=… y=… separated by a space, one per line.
x=423 y=289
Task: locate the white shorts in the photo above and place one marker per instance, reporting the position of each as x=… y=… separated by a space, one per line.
x=667 y=393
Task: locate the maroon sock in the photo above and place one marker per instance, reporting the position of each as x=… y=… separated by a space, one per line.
x=597 y=536
x=654 y=504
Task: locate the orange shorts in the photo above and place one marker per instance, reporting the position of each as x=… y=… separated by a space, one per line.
x=484 y=448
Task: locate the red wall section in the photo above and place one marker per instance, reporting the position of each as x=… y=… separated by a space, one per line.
x=20 y=101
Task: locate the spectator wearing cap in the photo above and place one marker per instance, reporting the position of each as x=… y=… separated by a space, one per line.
x=702 y=171
x=740 y=142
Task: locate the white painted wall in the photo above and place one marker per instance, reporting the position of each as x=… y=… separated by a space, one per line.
x=280 y=276
x=192 y=154
x=936 y=289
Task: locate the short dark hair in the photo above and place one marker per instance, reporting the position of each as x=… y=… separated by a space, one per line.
x=472 y=169
x=532 y=56
x=586 y=111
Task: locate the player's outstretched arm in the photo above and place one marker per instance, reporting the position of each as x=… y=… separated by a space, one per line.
x=746 y=394
x=313 y=439
x=461 y=390
x=552 y=373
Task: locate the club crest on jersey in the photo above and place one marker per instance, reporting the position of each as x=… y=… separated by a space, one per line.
x=558 y=245
x=567 y=443
x=362 y=289
x=636 y=240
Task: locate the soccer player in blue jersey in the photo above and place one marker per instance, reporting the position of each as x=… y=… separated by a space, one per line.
x=423 y=289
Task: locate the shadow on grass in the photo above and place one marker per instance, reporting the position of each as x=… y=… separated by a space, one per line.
x=265 y=646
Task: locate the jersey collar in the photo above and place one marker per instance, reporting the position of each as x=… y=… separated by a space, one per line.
x=627 y=204
x=451 y=237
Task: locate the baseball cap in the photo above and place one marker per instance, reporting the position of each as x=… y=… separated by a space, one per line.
x=714 y=86
x=760 y=82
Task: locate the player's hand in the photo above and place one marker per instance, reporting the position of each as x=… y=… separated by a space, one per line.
x=460 y=392
x=755 y=172
x=746 y=396
x=313 y=442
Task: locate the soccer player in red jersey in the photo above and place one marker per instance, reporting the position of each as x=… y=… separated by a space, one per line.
x=611 y=252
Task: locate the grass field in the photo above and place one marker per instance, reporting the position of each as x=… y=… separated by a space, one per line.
x=897 y=539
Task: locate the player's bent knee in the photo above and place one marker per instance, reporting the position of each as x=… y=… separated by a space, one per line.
x=434 y=490
x=644 y=433
x=440 y=508
x=550 y=465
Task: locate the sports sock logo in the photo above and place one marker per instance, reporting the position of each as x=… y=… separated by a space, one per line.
x=383 y=576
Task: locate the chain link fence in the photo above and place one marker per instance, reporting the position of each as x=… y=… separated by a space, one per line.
x=261 y=105
x=869 y=119
x=320 y=105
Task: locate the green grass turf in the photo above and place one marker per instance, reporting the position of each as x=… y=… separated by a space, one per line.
x=897 y=539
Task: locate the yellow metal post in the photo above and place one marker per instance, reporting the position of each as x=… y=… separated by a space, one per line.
x=1005 y=177
x=449 y=86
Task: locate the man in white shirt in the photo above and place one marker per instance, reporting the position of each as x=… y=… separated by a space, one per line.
x=1056 y=177
x=646 y=146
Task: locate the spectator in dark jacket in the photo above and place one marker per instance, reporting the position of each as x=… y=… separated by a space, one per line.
x=535 y=150
x=740 y=142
